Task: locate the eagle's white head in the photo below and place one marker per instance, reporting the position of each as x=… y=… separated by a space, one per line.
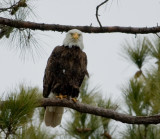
x=74 y=38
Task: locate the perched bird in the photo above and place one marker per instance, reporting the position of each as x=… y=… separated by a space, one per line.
x=64 y=73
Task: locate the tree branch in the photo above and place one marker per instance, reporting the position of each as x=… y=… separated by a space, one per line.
x=86 y=29
x=6 y=9
x=108 y=113
x=97 y=8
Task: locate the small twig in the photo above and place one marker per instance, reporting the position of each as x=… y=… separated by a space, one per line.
x=145 y=131
x=97 y=8
x=6 y=9
x=20 y=3
x=135 y=35
x=157 y=35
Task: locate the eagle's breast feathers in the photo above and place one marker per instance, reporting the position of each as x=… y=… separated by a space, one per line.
x=65 y=71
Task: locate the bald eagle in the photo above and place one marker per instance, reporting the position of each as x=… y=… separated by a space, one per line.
x=64 y=73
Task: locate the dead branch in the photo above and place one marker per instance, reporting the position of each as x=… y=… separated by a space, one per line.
x=107 y=113
x=86 y=29
x=97 y=15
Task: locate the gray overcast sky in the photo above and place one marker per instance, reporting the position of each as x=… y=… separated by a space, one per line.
x=106 y=67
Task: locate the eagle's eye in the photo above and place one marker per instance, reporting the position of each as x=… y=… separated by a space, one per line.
x=71 y=33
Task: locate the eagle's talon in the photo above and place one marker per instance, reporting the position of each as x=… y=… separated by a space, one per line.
x=74 y=99
x=61 y=96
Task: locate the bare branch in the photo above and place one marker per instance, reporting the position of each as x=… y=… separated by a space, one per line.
x=86 y=29
x=108 y=113
x=97 y=15
x=6 y=9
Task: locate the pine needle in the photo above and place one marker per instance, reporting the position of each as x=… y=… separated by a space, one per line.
x=136 y=51
x=18 y=109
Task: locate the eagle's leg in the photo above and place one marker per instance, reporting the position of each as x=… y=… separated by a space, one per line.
x=61 y=96
x=74 y=99
x=75 y=92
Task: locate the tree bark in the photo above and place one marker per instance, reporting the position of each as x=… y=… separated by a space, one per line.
x=86 y=29
x=107 y=113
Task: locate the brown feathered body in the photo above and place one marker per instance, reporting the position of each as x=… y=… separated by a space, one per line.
x=64 y=73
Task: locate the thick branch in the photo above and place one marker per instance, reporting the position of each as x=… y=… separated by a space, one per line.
x=86 y=29
x=108 y=113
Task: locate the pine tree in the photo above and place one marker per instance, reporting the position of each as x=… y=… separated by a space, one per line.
x=19 y=116
x=142 y=94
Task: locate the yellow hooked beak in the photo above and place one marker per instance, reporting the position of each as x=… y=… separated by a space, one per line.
x=75 y=36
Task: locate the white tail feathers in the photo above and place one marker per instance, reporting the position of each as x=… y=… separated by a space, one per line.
x=53 y=115
x=53 y=118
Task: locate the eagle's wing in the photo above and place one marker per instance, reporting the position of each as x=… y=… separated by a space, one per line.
x=84 y=72
x=53 y=115
x=49 y=74
x=85 y=64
